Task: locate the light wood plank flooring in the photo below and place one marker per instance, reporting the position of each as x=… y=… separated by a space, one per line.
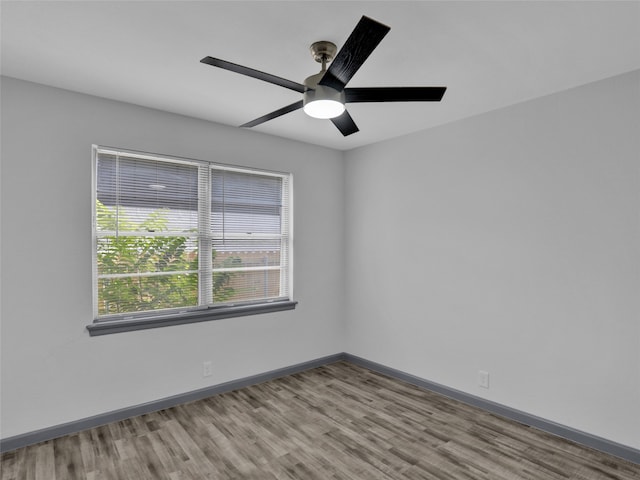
x=334 y=422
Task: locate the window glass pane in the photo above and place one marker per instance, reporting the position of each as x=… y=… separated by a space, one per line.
x=137 y=219
x=245 y=254
x=245 y=203
x=146 y=195
x=140 y=294
x=248 y=235
x=246 y=270
x=137 y=254
x=147 y=183
x=246 y=285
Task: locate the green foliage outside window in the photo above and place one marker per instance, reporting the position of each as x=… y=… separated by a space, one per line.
x=134 y=257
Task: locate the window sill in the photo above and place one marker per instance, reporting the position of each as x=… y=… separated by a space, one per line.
x=119 y=326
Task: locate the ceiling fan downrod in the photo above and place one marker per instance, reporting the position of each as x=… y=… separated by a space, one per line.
x=320 y=101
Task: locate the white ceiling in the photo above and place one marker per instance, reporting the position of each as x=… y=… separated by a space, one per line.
x=488 y=54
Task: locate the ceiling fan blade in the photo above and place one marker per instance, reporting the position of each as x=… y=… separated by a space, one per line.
x=250 y=72
x=394 y=94
x=345 y=124
x=362 y=41
x=272 y=115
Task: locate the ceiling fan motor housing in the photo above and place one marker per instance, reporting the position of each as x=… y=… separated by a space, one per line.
x=314 y=93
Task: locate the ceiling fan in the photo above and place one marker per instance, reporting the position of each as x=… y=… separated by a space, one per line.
x=325 y=94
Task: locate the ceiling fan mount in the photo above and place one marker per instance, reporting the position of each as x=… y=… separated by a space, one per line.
x=323 y=51
x=326 y=94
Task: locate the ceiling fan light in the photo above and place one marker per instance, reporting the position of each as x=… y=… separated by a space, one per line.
x=324 y=109
x=320 y=101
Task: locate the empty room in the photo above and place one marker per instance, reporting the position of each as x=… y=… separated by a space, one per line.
x=320 y=240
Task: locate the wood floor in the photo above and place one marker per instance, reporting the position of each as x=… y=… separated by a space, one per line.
x=334 y=422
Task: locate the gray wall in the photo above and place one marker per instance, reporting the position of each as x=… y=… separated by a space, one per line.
x=52 y=371
x=508 y=242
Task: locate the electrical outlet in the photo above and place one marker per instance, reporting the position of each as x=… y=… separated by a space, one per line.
x=483 y=379
x=207 y=369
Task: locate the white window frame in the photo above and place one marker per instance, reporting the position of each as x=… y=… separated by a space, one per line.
x=206 y=309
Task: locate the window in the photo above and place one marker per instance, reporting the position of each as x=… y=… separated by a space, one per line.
x=179 y=241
